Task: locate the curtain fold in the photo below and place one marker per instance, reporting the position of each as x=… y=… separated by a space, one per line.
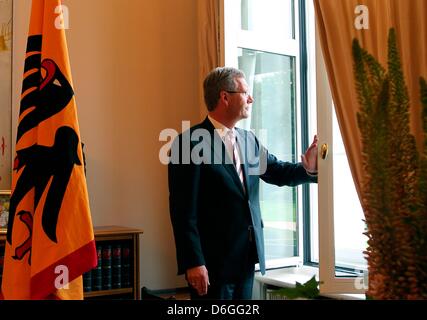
x=336 y=24
x=390 y=179
x=208 y=20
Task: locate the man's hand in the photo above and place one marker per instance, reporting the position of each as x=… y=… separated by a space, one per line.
x=309 y=158
x=198 y=278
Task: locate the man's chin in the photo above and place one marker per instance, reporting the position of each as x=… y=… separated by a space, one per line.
x=245 y=115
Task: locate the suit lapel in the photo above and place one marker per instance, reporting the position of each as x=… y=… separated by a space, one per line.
x=243 y=157
x=219 y=152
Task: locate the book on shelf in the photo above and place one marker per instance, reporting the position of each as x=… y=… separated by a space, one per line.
x=113 y=270
x=117 y=266
x=126 y=269
x=87 y=281
x=97 y=272
x=107 y=272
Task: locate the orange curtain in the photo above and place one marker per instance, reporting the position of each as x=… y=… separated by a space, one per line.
x=208 y=19
x=336 y=24
x=50 y=240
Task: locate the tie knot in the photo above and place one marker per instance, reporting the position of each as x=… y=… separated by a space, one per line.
x=231 y=136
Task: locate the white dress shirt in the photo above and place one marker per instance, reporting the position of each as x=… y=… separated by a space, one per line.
x=222 y=130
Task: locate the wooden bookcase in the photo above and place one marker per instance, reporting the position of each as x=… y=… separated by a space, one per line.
x=111 y=235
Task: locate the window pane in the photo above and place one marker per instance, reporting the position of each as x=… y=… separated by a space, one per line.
x=348 y=215
x=269 y=16
x=272 y=78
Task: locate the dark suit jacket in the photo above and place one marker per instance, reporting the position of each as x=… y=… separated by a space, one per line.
x=211 y=214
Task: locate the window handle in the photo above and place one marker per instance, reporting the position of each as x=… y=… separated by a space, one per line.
x=324 y=151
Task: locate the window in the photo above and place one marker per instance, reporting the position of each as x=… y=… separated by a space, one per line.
x=274 y=110
x=274 y=43
x=349 y=240
x=340 y=218
x=272 y=67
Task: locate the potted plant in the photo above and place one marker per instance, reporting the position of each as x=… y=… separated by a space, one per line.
x=394 y=191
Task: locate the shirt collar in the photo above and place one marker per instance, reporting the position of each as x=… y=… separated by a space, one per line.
x=221 y=129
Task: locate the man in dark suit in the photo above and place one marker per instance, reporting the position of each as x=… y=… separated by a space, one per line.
x=214 y=174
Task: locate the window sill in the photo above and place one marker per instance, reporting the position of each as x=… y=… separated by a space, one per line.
x=287 y=277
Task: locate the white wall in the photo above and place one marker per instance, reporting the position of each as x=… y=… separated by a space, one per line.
x=134 y=66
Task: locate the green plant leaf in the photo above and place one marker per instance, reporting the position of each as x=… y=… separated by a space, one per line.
x=309 y=290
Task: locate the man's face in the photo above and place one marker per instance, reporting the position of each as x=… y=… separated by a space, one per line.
x=240 y=101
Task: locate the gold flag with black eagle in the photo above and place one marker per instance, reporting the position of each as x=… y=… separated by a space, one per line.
x=50 y=242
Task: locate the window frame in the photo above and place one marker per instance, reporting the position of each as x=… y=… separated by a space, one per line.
x=312 y=91
x=330 y=283
x=236 y=38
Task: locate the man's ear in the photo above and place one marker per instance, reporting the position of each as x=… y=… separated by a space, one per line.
x=223 y=97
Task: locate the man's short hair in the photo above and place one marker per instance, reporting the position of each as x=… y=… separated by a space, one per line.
x=219 y=79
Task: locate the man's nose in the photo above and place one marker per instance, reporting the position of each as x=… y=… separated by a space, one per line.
x=250 y=99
